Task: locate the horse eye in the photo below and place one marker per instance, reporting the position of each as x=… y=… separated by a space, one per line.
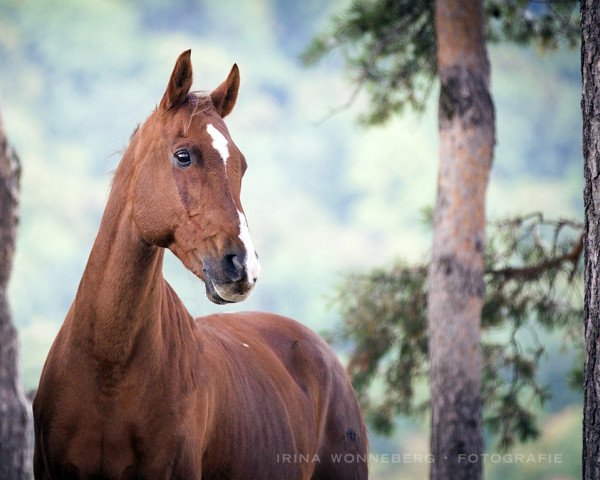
x=183 y=158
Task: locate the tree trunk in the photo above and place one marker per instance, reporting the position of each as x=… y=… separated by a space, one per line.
x=456 y=285
x=15 y=461
x=590 y=105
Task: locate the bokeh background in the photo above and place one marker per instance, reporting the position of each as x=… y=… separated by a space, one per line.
x=323 y=198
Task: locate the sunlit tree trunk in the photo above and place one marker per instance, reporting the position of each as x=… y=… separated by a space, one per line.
x=15 y=461
x=590 y=104
x=456 y=286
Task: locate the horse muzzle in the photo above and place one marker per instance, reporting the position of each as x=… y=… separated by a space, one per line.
x=232 y=278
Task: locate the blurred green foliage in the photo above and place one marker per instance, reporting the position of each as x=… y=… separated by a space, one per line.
x=321 y=198
x=533 y=285
x=389 y=45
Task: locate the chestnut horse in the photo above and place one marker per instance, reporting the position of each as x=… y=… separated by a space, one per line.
x=134 y=387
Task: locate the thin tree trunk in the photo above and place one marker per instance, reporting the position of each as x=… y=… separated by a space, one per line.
x=15 y=461
x=456 y=285
x=590 y=105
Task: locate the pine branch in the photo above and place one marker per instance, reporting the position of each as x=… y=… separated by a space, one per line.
x=532 y=272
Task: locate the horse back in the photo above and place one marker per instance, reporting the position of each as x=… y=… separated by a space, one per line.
x=287 y=397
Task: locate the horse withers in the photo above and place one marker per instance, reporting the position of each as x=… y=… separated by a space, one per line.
x=133 y=386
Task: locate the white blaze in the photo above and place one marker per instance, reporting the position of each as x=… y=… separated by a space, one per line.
x=219 y=142
x=252 y=264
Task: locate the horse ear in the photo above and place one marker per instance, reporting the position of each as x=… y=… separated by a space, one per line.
x=179 y=83
x=225 y=95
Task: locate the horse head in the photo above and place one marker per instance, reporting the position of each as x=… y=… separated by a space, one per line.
x=186 y=181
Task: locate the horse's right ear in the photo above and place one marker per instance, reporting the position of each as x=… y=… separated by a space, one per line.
x=179 y=84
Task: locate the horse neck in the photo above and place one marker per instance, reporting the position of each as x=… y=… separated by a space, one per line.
x=122 y=296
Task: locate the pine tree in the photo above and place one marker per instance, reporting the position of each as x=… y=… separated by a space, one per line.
x=15 y=424
x=590 y=63
x=397 y=49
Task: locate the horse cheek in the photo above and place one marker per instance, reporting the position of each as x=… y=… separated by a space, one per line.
x=155 y=217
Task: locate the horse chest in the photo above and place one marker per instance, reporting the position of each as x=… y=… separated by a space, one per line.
x=110 y=452
x=108 y=442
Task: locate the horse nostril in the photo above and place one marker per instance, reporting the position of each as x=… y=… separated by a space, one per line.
x=237 y=263
x=233 y=268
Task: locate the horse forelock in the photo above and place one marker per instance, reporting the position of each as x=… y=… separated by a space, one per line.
x=198 y=103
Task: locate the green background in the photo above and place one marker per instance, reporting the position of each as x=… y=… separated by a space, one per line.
x=322 y=198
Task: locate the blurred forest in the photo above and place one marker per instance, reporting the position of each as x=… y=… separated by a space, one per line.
x=322 y=198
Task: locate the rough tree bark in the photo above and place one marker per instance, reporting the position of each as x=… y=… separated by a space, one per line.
x=15 y=461
x=590 y=106
x=456 y=285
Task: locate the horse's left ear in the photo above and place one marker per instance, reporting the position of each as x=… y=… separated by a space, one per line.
x=180 y=82
x=225 y=95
